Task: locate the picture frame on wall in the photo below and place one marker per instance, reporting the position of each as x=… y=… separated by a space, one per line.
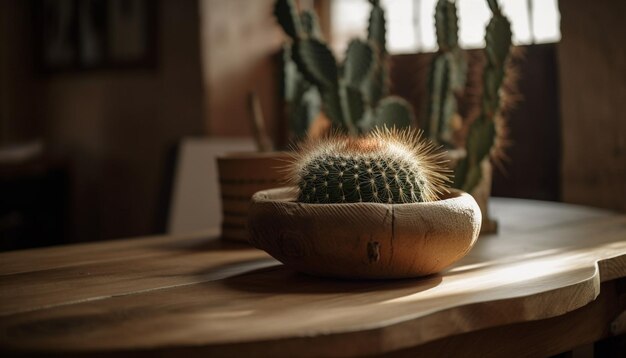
x=79 y=35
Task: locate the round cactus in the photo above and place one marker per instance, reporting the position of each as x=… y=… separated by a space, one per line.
x=386 y=166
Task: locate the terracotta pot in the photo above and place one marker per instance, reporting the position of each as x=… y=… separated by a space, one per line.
x=364 y=240
x=240 y=176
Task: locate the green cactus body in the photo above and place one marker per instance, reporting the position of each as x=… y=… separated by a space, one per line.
x=388 y=166
x=392 y=111
x=447 y=75
x=376 y=86
x=482 y=132
x=303 y=99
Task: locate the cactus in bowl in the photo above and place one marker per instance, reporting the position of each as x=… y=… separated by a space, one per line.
x=352 y=92
x=386 y=166
x=367 y=207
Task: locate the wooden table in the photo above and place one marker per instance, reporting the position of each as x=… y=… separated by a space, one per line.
x=548 y=282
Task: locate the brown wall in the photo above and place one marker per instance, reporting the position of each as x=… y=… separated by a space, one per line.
x=18 y=121
x=240 y=50
x=119 y=125
x=592 y=71
x=115 y=126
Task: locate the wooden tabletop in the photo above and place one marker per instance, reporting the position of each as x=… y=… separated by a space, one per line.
x=196 y=294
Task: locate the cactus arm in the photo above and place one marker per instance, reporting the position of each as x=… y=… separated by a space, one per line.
x=376 y=85
x=310 y=24
x=447 y=75
x=318 y=65
x=358 y=63
x=352 y=106
x=377 y=28
x=446 y=25
x=316 y=62
x=395 y=112
x=303 y=111
x=494 y=6
x=438 y=90
x=333 y=108
x=294 y=88
x=286 y=13
x=479 y=142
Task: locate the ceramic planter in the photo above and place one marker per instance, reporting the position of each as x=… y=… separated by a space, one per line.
x=364 y=240
x=240 y=176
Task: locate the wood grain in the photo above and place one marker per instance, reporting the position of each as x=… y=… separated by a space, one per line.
x=197 y=296
x=540 y=338
x=364 y=240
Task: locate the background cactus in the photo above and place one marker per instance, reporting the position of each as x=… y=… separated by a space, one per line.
x=350 y=92
x=483 y=131
x=447 y=81
x=447 y=76
x=302 y=99
x=387 y=166
x=376 y=86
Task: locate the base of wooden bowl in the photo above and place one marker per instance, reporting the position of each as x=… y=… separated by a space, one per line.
x=364 y=240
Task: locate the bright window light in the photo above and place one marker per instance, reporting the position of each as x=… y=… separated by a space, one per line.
x=411 y=27
x=546 y=21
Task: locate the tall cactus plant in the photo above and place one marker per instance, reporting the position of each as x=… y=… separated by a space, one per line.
x=346 y=89
x=447 y=79
x=376 y=86
x=482 y=132
x=447 y=75
x=302 y=99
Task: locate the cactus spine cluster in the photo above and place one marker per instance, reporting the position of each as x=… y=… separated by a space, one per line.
x=447 y=81
x=350 y=92
x=386 y=166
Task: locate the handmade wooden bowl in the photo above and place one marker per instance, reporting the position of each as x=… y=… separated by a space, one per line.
x=364 y=240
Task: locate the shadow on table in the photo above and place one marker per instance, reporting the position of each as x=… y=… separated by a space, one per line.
x=279 y=279
x=208 y=243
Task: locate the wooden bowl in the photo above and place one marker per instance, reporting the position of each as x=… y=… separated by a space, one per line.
x=364 y=240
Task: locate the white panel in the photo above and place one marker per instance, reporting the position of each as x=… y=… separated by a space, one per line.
x=195 y=203
x=547 y=21
x=400 y=26
x=473 y=18
x=411 y=27
x=348 y=20
x=517 y=12
x=428 y=40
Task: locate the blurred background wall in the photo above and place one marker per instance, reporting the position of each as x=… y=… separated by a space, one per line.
x=592 y=69
x=113 y=131
x=115 y=127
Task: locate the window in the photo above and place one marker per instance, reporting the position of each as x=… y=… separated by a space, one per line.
x=411 y=28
